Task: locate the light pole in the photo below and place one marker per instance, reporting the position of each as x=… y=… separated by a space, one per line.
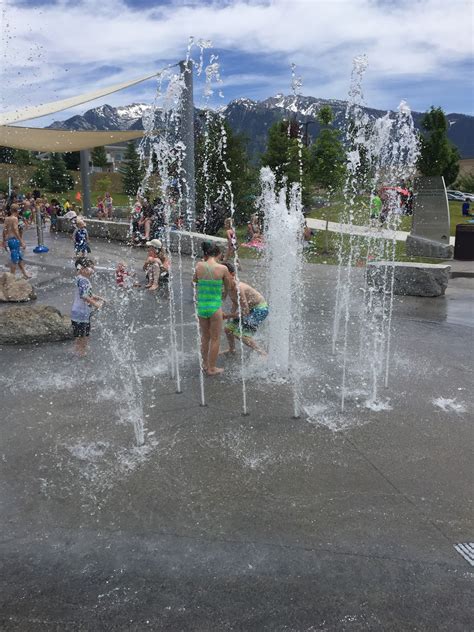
x=187 y=131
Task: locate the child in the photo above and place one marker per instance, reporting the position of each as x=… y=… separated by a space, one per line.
x=153 y=264
x=232 y=244
x=81 y=239
x=100 y=208
x=53 y=215
x=13 y=240
x=254 y=310
x=27 y=212
x=124 y=277
x=109 y=205
x=84 y=302
x=253 y=228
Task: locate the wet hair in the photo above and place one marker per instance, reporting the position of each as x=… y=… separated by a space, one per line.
x=230 y=266
x=84 y=262
x=210 y=249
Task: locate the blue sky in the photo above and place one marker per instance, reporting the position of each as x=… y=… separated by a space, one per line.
x=418 y=50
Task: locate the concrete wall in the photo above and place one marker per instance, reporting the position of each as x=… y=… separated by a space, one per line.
x=118 y=231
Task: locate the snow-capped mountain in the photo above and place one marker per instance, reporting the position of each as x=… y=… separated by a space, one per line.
x=253 y=119
x=107 y=117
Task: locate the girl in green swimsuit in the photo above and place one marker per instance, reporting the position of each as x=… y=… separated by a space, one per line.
x=210 y=278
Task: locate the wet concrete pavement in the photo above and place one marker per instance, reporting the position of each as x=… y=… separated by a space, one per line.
x=333 y=521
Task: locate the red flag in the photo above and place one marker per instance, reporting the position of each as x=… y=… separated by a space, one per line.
x=78 y=196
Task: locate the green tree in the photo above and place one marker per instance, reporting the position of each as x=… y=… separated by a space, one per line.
x=465 y=182
x=328 y=158
x=283 y=154
x=438 y=156
x=59 y=178
x=132 y=171
x=23 y=158
x=212 y=177
x=72 y=160
x=99 y=157
x=40 y=178
x=7 y=155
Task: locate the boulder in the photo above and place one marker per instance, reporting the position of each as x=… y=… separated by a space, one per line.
x=416 y=246
x=28 y=324
x=15 y=290
x=410 y=279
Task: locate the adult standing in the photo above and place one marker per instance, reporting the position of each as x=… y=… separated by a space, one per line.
x=210 y=278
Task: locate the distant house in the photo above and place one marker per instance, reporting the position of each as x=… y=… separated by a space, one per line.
x=115 y=155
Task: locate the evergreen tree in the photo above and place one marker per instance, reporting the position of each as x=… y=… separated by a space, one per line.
x=132 y=171
x=40 y=177
x=211 y=153
x=72 y=160
x=23 y=158
x=59 y=179
x=328 y=158
x=99 y=157
x=283 y=155
x=7 y=155
x=438 y=156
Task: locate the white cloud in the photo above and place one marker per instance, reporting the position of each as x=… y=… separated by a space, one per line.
x=412 y=40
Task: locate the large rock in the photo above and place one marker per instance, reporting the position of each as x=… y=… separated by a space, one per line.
x=27 y=324
x=420 y=247
x=410 y=279
x=15 y=290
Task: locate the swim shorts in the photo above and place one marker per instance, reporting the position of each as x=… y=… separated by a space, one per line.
x=15 y=252
x=79 y=330
x=250 y=321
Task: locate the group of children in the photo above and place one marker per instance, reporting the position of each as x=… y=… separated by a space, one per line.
x=214 y=280
x=105 y=207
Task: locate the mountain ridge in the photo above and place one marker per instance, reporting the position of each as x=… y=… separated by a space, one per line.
x=253 y=118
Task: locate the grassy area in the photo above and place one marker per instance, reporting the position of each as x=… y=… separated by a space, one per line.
x=324 y=249
x=333 y=213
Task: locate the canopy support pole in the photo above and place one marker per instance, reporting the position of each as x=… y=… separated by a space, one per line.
x=85 y=181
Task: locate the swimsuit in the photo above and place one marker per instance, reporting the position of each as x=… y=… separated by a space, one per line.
x=81 y=311
x=209 y=295
x=80 y=241
x=15 y=252
x=250 y=321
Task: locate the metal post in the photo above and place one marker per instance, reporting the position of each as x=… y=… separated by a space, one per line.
x=40 y=248
x=187 y=136
x=86 y=187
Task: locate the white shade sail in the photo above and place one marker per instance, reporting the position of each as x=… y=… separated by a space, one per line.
x=36 y=111
x=36 y=139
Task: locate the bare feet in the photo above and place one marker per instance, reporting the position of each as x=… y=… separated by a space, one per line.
x=215 y=371
x=27 y=276
x=227 y=352
x=152 y=288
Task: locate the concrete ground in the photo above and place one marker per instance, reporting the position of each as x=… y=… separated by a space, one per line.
x=333 y=521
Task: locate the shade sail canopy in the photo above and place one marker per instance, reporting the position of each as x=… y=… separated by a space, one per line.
x=35 y=139
x=35 y=111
